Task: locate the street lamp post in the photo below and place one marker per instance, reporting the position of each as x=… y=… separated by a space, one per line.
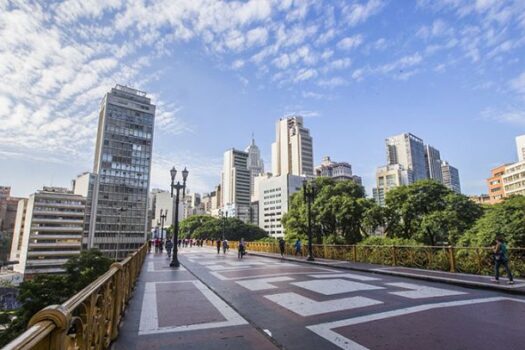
x=177 y=186
x=120 y=210
x=309 y=196
x=162 y=222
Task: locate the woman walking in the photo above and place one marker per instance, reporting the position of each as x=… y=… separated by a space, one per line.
x=501 y=258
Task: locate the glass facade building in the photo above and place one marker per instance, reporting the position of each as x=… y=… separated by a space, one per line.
x=119 y=198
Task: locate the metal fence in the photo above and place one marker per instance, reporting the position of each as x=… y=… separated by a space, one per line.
x=474 y=260
x=88 y=320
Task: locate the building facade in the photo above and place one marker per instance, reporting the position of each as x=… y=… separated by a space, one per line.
x=433 y=164
x=388 y=177
x=49 y=231
x=408 y=151
x=8 y=208
x=338 y=171
x=513 y=179
x=122 y=165
x=235 y=186
x=292 y=151
x=520 y=147
x=255 y=163
x=450 y=177
x=496 y=190
x=274 y=200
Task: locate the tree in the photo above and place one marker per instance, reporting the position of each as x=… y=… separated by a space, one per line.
x=430 y=213
x=506 y=219
x=338 y=211
x=85 y=268
x=208 y=227
x=190 y=224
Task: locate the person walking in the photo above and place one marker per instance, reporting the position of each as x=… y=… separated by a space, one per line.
x=282 y=246
x=157 y=245
x=242 y=249
x=501 y=257
x=297 y=246
x=218 y=246
x=225 y=246
x=150 y=243
x=169 y=247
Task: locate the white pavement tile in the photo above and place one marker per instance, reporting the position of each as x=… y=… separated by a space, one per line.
x=227 y=268
x=421 y=292
x=307 y=307
x=263 y=283
x=351 y=276
x=334 y=286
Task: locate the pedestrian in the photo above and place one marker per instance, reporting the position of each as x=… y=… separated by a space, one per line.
x=218 y=246
x=501 y=257
x=157 y=245
x=282 y=245
x=150 y=243
x=161 y=246
x=169 y=247
x=242 y=249
x=297 y=246
x=225 y=246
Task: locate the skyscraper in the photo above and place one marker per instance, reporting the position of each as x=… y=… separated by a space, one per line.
x=255 y=163
x=292 y=151
x=450 y=177
x=409 y=151
x=122 y=168
x=235 y=186
x=338 y=171
x=433 y=164
x=520 y=147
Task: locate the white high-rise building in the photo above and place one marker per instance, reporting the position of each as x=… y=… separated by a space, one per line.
x=255 y=163
x=338 y=171
x=520 y=147
x=235 y=187
x=292 y=151
x=48 y=231
x=450 y=177
x=388 y=177
x=433 y=164
x=409 y=151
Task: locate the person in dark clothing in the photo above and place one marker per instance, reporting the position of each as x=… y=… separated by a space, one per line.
x=501 y=257
x=218 y=246
x=282 y=246
x=169 y=247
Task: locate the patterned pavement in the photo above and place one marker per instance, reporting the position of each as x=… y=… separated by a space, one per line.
x=217 y=301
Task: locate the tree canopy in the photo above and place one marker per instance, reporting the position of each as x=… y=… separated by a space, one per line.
x=208 y=227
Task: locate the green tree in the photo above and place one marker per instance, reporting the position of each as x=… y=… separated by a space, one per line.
x=208 y=227
x=338 y=211
x=506 y=219
x=85 y=268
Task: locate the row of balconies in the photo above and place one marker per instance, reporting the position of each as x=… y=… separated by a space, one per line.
x=53 y=253
x=55 y=229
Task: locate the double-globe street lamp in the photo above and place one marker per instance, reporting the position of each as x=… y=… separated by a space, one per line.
x=309 y=189
x=177 y=186
x=224 y=219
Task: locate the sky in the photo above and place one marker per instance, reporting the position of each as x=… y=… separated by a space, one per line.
x=452 y=72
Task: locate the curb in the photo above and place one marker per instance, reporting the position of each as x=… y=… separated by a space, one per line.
x=381 y=271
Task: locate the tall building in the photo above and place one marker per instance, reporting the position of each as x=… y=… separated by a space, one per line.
x=122 y=168
x=48 y=230
x=495 y=184
x=235 y=186
x=336 y=170
x=520 y=147
x=274 y=200
x=388 y=177
x=409 y=151
x=433 y=164
x=450 y=177
x=255 y=163
x=8 y=207
x=292 y=151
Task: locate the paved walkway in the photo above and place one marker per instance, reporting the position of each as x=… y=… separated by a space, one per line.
x=220 y=302
x=461 y=279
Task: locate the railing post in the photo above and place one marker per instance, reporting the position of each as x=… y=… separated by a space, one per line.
x=354 y=252
x=394 y=255
x=117 y=300
x=452 y=258
x=61 y=317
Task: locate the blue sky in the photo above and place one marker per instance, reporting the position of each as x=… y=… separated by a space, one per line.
x=452 y=72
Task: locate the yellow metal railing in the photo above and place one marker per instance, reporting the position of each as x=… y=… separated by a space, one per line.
x=474 y=260
x=88 y=320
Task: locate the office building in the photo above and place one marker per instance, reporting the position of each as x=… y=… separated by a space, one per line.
x=480 y=199
x=450 y=177
x=388 y=177
x=49 y=228
x=255 y=163
x=514 y=179
x=274 y=200
x=496 y=190
x=408 y=151
x=235 y=187
x=520 y=147
x=122 y=168
x=292 y=151
x=338 y=171
x=433 y=164
x=8 y=208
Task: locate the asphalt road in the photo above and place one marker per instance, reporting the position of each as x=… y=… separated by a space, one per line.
x=220 y=302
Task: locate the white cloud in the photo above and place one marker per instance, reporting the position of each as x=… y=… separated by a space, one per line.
x=350 y=42
x=238 y=64
x=359 y=13
x=333 y=82
x=402 y=63
x=256 y=36
x=511 y=115
x=305 y=74
x=518 y=84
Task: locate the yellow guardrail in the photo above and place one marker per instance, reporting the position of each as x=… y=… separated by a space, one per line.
x=474 y=260
x=89 y=319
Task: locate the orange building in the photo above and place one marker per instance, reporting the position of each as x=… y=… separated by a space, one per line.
x=495 y=184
